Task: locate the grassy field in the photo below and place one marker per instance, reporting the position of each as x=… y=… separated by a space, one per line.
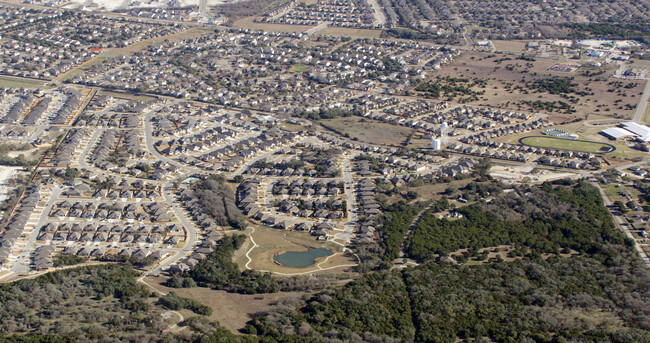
x=350 y=32
x=510 y=45
x=272 y=242
x=434 y=191
x=565 y=144
x=299 y=68
x=17 y=82
x=370 y=131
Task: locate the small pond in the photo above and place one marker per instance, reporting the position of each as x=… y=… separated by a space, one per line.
x=301 y=259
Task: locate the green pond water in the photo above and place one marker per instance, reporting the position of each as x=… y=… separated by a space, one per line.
x=301 y=259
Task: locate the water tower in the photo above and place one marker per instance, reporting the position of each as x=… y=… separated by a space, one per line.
x=444 y=130
x=436 y=144
x=203 y=8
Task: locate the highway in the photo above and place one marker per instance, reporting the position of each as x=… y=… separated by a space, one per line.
x=317 y=28
x=643 y=104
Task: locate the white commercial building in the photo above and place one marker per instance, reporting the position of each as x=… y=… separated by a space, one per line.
x=628 y=130
x=642 y=131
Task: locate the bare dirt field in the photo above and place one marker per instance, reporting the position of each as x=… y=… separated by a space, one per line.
x=370 y=131
x=231 y=310
x=120 y=95
x=510 y=45
x=527 y=174
x=506 y=76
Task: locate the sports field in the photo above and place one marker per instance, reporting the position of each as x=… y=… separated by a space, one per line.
x=567 y=144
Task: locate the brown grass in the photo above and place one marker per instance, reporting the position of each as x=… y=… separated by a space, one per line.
x=231 y=310
x=510 y=45
x=272 y=242
x=477 y=65
x=350 y=32
x=370 y=131
x=434 y=191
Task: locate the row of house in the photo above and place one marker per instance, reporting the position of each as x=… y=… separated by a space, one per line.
x=16 y=224
x=64 y=156
x=16 y=111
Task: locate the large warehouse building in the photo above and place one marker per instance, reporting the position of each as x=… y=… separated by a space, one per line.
x=628 y=130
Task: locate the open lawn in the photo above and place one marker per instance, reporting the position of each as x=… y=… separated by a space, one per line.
x=369 y=131
x=18 y=82
x=273 y=242
x=299 y=68
x=231 y=310
x=566 y=144
x=350 y=32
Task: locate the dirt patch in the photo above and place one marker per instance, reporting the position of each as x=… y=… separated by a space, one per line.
x=510 y=45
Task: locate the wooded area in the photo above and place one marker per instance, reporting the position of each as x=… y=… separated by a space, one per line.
x=218 y=271
x=544 y=220
x=598 y=295
x=218 y=201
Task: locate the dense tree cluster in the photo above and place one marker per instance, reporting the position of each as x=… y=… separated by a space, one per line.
x=218 y=271
x=88 y=302
x=450 y=87
x=68 y=260
x=545 y=220
x=630 y=30
x=218 y=201
x=556 y=85
x=397 y=219
x=331 y=113
x=172 y=301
